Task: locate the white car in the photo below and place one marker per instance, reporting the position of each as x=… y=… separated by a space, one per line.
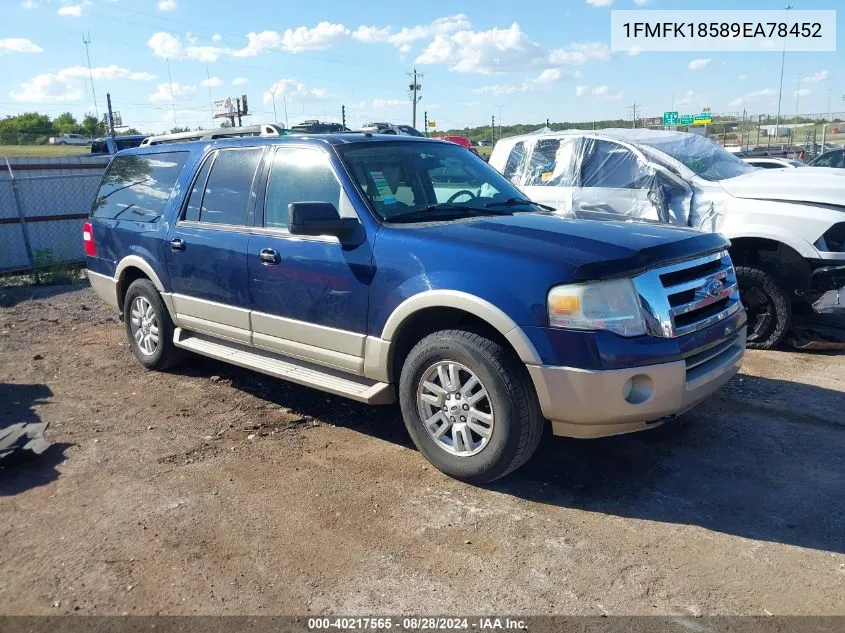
x=773 y=162
x=69 y=139
x=787 y=227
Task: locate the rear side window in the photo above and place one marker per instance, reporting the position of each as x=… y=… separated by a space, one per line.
x=515 y=161
x=138 y=187
x=613 y=166
x=299 y=174
x=225 y=197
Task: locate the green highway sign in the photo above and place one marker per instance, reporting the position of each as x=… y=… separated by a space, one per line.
x=702 y=119
x=687 y=119
x=670 y=118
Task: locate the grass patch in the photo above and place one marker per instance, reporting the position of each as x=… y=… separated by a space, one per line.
x=40 y=151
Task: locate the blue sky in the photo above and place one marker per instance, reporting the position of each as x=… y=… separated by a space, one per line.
x=528 y=62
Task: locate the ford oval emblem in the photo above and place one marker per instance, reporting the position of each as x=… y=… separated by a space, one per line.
x=714 y=288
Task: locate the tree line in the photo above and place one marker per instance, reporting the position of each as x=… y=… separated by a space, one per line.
x=33 y=128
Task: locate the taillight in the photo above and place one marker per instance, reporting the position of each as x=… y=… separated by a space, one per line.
x=88 y=240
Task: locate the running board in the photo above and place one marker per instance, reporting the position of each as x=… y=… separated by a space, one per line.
x=292 y=369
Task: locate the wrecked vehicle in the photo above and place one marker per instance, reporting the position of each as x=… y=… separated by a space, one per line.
x=787 y=227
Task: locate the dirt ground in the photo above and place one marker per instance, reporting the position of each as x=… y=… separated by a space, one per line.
x=215 y=490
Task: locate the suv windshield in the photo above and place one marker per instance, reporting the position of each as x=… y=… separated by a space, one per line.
x=706 y=158
x=415 y=179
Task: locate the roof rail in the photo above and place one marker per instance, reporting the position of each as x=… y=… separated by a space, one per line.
x=264 y=129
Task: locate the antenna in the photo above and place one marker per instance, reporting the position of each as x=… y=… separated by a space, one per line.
x=86 y=39
x=172 y=101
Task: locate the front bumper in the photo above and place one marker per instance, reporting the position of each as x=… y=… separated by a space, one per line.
x=826 y=277
x=587 y=403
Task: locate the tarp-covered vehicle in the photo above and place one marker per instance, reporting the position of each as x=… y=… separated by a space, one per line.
x=787 y=226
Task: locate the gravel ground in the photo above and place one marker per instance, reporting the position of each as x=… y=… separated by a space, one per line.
x=214 y=490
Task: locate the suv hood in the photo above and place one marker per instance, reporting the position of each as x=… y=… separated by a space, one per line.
x=593 y=250
x=821 y=185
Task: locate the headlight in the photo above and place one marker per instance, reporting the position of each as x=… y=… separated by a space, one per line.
x=603 y=305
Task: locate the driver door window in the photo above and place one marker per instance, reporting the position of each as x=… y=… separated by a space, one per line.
x=609 y=165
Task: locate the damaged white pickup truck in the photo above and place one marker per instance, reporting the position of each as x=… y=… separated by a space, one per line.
x=786 y=226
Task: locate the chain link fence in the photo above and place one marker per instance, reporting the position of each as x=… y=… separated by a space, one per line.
x=43 y=204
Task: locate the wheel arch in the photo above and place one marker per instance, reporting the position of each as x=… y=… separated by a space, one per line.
x=133 y=267
x=788 y=265
x=434 y=310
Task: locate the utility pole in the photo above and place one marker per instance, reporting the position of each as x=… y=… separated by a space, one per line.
x=210 y=97
x=172 y=100
x=797 y=97
x=273 y=93
x=782 y=61
x=87 y=40
x=343 y=115
x=425 y=123
x=493 y=129
x=415 y=88
x=500 y=122
x=111 y=117
x=633 y=109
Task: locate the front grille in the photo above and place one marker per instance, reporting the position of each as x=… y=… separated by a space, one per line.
x=688 y=296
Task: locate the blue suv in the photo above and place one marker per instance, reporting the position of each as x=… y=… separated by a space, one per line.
x=381 y=268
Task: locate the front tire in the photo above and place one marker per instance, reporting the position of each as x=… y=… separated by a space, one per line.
x=469 y=406
x=768 y=306
x=148 y=326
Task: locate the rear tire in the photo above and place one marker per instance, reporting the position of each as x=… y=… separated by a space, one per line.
x=451 y=369
x=149 y=327
x=768 y=306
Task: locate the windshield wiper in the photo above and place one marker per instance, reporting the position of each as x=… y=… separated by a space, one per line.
x=512 y=202
x=443 y=211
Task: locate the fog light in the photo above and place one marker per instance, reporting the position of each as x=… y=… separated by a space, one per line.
x=638 y=389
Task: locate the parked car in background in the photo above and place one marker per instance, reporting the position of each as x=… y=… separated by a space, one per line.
x=107 y=145
x=835 y=159
x=313 y=126
x=69 y=139
x=773 y=162
x=463 y=141
x=485 y=143
x=381 y=268
x=391 y=129
x=786 y=227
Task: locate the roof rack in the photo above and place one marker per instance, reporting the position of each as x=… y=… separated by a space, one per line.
x=265 y=129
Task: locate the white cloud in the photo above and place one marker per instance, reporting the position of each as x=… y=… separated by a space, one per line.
x=698 y=64
x=634 y=51
x=166 y=5
x=580 y=53
x=29 y=4
x=321 y=37
x=485 y=52
x=388 y=103
x=240 y=81
x=404 y=39
x=371 y=34
x=211 y=82
x=686 y=100
x=548 y=76
x=580 y=91
x=166 y=45
x=73 y=10
x=216 y=37
x=258 y=43
x=180 y=92
x=18 y=45
x=68 y=84
x=603 y=92
x=499 y=89
x=294 y=90
x=803 y=92
x=753 y=97
x=822 y=75
x=642 y=3
x=600 y=3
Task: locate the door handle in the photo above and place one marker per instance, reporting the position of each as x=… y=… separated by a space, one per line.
x=269 y=256
x=177 y=244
